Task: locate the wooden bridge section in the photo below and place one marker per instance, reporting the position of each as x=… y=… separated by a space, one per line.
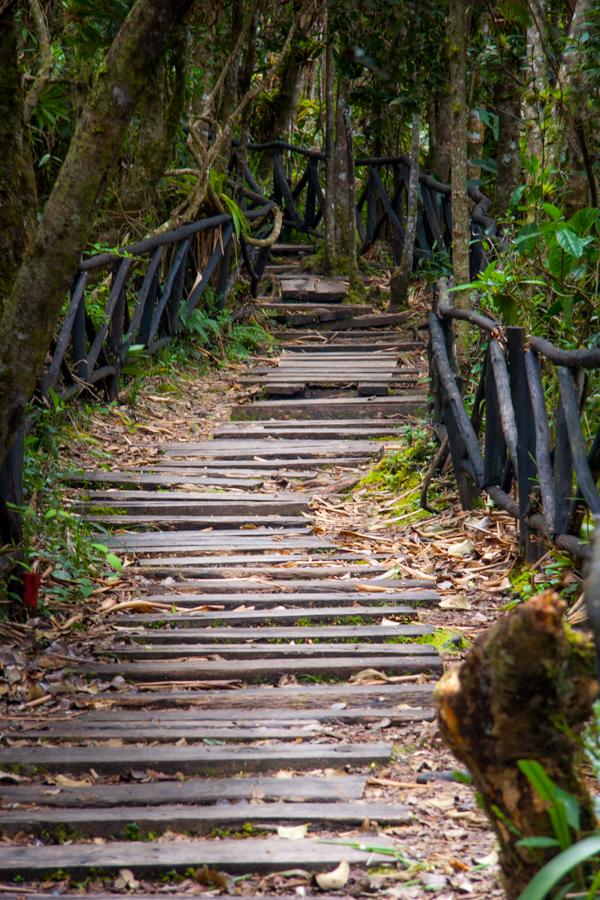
x=236 y=706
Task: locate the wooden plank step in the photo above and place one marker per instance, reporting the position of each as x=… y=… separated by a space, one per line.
x=298 y=430
x=253 y=562
x=266 y=448
x=84 y=733
x=176 y=718
x=284 y=249
x=269 y=467
x=190 y=636
x=152 y=477
x=315 y=408
x=418 y=597
x=228 y=855
x=193 y=760
x=205 y=541
x=279 y=582
x=312 y=288
x=269 y=697
x=277 y=616
x=365 y=342
x=195 y=819
x=361 y=322
x=177 y=503
x=247 y=566
x=201 y=791
x=254 y=650
x=175 y=522
x=317 y=379
x=265 y=670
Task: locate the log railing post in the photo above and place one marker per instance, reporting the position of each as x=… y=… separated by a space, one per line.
x=526 y=450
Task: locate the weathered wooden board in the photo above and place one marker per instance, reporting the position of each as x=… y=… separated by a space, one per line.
x=180 y=523
x=269 y=697
x=191 y=819
x=312 y=288
x=180 y=541
x=277 y=616
x=228 y=855
x=277 y=581
x=190 y=636
x=175 y=718
x=419 y=597
x=302 y=788
x=136 y=734
x=287 y=467
x=194 y=760
x=325 y=407
x=266 y=448
x=246 y=567
x=254 y=650
x=196 y=566
x=153 y=477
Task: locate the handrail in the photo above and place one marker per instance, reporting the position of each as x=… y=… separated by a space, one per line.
x=518 y=449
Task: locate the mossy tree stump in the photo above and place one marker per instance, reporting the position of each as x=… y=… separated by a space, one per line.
x=524 y=691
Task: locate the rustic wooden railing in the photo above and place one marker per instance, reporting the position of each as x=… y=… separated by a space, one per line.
x=522 y=444
x=382 y=185
x=382 y=201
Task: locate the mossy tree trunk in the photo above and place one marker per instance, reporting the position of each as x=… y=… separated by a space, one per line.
x=402 y=273
x=440 y=129
x=18 y=200
x=524 y=691
x=344 y=196
x=508 y=98
x=33 y=307
x=18 y=206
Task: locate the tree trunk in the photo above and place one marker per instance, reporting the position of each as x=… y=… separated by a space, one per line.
x=440 y=130
x=344 y=244
x=524 y=691
x=461 y=224
x=508 y=102
x=401 y=275
x=33 y=308
x=18 y=198
x=328 y=261
x=457 y=52
x=474 y=146
x=535 y=112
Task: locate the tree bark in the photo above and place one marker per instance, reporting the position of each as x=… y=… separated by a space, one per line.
x=18 y=199
x=329 y=254
x=401 y=275
x=524 y=691
x=32 y=310
x=440 y=130
x=457 y=52
x=508 y=102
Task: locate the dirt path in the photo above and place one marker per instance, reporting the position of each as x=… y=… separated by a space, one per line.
x=258 y=708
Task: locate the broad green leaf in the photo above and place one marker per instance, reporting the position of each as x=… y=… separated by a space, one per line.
x=554 y=871
x=571 y=243
x=584 y=220
x=551 y=210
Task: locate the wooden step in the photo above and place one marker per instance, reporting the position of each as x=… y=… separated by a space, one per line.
x=234 y=716
x=325 y=407
x=263 y=670
x=182 y=522
x=263 y=617
x=205 y=791
x=249 y=448
x=156 y=478
x=290 y=582
x=255 y=650
x=117 y=822
x=313 y=288
x=418 y=597
x=190 y=636
x=193 y=760
x=146 y=857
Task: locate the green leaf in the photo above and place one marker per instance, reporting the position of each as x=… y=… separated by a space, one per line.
x=571 y=243
x=554 y=871
x=101 y=548
x=539 y=842
x=551 y=210
x=114 y=561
